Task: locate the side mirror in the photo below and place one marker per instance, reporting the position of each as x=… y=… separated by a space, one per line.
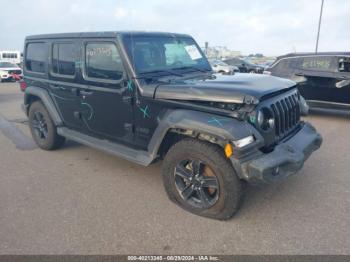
x=215 y=65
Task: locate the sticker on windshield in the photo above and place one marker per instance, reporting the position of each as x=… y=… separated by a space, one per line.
x=193 y=52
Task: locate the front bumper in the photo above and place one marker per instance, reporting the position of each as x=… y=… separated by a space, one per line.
x=286 y=159
x=6 y=78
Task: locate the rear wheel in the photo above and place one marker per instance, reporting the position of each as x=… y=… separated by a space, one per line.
x=43 y=130
x=198 y=177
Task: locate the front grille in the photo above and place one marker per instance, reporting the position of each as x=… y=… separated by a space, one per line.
x=17 y=72
x=286 y=113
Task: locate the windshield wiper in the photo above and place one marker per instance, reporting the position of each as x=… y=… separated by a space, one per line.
x=170 y=72
x=194 y=68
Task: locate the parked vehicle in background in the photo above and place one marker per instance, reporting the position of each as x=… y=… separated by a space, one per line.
x=14 y=57
x=266 y=65
x=324 y=78
x=13 y=71
x=4 y=76
x=244 y=66
x=147 y=96
x=219 y=66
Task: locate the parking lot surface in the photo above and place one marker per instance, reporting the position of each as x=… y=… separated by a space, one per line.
x=78 y=200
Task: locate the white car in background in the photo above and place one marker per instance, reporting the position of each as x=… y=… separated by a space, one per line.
x=10 y=71
x=220 y=67
x=4 y=76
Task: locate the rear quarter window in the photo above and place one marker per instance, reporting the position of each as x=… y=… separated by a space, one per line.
x=36 y=54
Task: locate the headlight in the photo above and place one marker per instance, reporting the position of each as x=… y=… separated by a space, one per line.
x=260 y=117
x=265 y=120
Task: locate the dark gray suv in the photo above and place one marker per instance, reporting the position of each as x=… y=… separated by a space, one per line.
x=150 y=96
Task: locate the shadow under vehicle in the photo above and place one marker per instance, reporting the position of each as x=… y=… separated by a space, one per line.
x=149 y=96
x=323 y=78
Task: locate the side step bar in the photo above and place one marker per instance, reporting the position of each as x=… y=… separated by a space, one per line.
x=133 y=155
x=327 y=104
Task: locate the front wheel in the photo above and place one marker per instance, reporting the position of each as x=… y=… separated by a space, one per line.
x=198 y=177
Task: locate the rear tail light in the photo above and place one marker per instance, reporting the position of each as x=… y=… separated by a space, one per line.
x=22 y=85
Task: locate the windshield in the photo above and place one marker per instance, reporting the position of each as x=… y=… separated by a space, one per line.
x=164 y=53
x=6 y=64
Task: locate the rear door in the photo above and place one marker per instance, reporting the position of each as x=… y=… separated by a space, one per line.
x=64 y=81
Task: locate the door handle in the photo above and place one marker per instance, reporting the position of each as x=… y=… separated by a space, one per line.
x=128 y=99
x=54 y=87
x=86 y=92
x=75 y=91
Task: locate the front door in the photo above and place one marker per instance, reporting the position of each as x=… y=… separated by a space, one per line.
x=106 y=102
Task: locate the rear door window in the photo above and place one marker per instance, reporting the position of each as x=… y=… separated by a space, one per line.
x=36 y=54
x=63 y=59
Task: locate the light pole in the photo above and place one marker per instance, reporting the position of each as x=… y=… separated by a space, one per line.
x=319 y=26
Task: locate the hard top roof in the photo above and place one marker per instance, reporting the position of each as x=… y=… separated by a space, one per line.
x=315 y=54
x=103 y=34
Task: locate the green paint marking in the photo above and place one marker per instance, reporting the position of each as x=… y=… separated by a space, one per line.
x=252 y=119
x=130 y=86
x=144 y=111
x=91 y=109
x=217 y=121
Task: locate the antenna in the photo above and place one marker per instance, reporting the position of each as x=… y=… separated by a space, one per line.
x=319 y=26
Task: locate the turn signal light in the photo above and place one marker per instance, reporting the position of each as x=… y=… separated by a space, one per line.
x=228 y=150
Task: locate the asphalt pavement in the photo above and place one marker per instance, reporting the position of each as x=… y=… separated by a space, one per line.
x=78 y=200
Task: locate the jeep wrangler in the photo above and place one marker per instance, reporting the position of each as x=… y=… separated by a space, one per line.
x=149 y=96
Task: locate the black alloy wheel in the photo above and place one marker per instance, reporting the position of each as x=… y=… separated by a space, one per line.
x=39 y=126
x=196 y=183
x=44 y=131
x=199 y=178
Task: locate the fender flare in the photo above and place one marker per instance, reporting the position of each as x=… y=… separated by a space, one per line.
x=221 y=127
x=45 y=98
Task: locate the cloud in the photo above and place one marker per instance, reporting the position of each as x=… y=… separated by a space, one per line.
x=120 y=13
x=253 y=26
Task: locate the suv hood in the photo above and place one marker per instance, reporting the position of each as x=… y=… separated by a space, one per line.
x=10 y=68
x=238 y=88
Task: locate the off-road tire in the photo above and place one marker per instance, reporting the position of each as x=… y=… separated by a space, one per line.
x=53 y=140
x=231 y=187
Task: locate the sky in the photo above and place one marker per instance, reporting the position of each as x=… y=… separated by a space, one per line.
x=272 y=27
